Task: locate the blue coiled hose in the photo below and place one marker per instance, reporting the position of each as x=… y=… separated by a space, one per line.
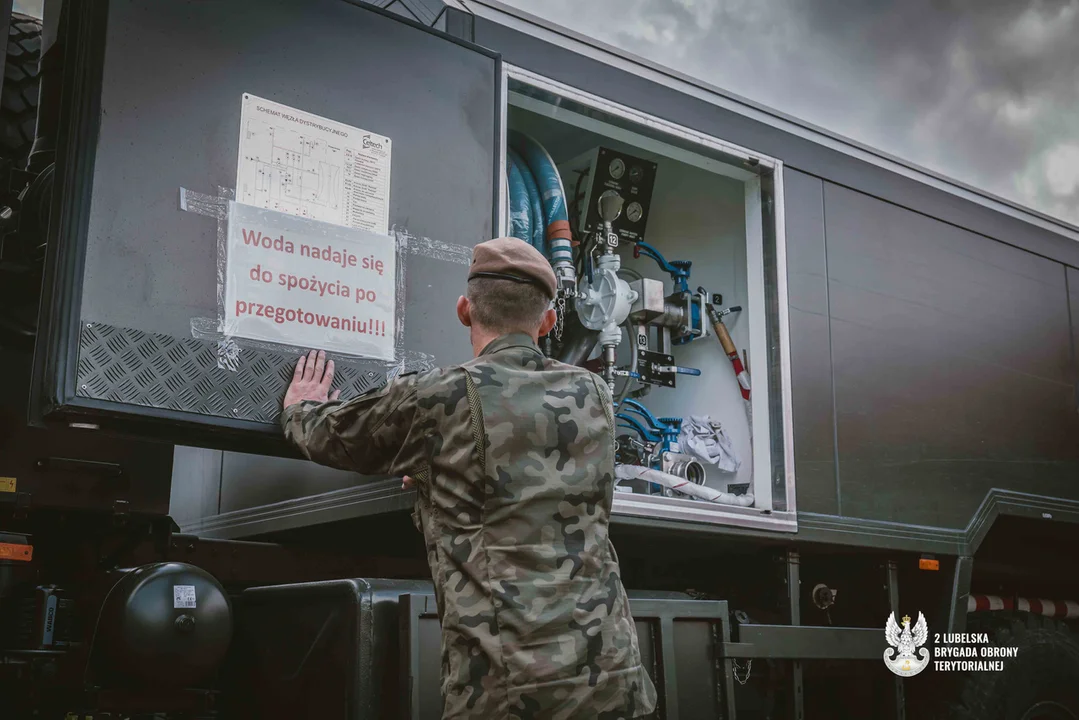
x=553 y=196
x=520 y=208
x=539 y=224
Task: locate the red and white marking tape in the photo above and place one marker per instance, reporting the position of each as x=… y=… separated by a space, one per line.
x=741 y=374
x=1052 y=608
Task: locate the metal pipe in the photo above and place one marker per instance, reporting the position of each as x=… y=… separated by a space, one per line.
x=674 y=316
x=609 y=360
x=634 y=362
x=690 y=470
x=579 y=344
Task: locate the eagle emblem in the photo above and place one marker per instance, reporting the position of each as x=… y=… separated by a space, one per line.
x=900 y=657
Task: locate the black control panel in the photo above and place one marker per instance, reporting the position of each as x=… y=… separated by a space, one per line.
x=648 y=364
x=633 y=179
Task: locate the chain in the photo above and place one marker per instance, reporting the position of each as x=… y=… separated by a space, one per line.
x=749 y=669
x=560 y=311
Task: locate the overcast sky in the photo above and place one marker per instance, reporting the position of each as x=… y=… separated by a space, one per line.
x=28 y=7
x=985 y=91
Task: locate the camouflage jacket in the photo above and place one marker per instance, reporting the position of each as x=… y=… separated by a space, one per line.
x=513 y=457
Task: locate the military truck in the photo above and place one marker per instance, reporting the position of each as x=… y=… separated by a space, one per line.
x=845 y=387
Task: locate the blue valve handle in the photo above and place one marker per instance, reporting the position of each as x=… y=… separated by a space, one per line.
x=678 y=369
x=678 y=270
x=665 y=429
x=635 y=424
x=641 y=410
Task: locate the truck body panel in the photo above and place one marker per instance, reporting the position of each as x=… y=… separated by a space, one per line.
x=930 y=337
x=166 y=126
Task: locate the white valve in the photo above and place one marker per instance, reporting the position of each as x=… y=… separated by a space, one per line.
x=604 y=303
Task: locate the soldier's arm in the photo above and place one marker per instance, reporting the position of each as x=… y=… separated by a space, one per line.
x=365 y=434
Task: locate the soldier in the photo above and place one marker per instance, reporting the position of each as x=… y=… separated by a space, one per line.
x=512 y=457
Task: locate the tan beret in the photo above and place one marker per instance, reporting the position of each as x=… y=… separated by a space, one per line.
x=509 y=258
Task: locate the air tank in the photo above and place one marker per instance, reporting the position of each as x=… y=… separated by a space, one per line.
x=165 y=625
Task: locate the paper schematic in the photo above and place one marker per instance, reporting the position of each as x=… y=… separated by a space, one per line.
x=298 y=281
x=302 y=164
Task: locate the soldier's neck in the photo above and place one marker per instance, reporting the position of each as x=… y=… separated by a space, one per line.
x=481 y=338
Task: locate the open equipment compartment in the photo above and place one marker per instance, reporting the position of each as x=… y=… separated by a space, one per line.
x=698 y=226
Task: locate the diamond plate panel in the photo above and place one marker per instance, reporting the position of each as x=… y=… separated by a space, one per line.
x=161 y=371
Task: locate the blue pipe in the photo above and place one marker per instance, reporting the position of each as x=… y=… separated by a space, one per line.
x=539 y=226
x=520 y=208
x=549 y=183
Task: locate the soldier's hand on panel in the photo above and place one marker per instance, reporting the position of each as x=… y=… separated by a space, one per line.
x=311 y=380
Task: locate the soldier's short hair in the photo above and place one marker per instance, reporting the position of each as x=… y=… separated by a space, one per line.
x=505 y=306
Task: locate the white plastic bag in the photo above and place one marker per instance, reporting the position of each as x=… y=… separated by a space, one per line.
x=706 y=440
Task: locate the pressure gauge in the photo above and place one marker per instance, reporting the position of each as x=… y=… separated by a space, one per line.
x=617 y=168
x=635 y=174
x=634 y=211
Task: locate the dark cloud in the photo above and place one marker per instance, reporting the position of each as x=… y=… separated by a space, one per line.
x=986 y=92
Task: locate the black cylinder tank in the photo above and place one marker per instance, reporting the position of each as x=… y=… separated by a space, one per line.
x=166 y=625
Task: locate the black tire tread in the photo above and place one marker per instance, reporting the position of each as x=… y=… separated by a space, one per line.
x=983 y=694
x=19 y=97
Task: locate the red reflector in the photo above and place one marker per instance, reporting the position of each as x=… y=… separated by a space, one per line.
x=928 y=564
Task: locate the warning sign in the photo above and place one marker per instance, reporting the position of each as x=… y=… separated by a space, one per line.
x=309 y=284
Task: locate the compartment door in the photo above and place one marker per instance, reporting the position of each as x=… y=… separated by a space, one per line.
x=177 y=113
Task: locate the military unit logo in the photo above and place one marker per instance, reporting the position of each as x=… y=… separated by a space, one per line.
x=900 y=657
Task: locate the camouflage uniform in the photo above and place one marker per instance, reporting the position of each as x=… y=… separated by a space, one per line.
x=513 y=457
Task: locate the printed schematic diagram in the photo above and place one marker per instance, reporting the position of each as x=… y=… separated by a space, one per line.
x=298 y=175
x=305 y=165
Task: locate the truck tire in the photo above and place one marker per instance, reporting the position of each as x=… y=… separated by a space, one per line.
x=19 y=98
x=19 y=286
x=1040 y=683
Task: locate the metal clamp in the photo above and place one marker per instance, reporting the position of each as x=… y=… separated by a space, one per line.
x=696 y=311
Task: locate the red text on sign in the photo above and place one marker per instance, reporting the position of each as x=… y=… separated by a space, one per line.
x=342 y=258
x=281 y=315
